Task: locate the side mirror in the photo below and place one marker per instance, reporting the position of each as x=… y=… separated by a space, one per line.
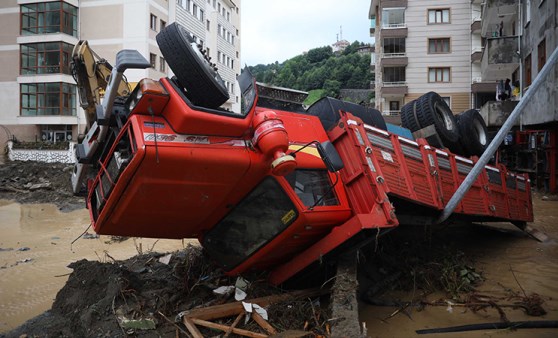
x=330 y=156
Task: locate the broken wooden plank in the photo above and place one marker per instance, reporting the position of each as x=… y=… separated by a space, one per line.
x=231 y=309
x=234 y=324
x=225 y=328
x=263 y=323
x=192 y=328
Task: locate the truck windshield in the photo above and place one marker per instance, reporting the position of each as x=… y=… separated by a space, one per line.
x=312 y=187
x=257 y=219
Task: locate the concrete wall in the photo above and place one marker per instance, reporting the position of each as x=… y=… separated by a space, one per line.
x=49 y=156
x=543 y=26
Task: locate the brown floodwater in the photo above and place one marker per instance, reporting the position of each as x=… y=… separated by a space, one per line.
x=29 y=280
x=499 y=255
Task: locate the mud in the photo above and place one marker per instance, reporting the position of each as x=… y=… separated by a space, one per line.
x=35 y=182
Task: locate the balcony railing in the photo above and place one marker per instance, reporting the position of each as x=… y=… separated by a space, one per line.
x=393 y=25
x=391 y=112
x=395 y=84
x=394 y=55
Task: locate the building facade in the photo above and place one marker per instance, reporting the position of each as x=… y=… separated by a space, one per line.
x=423 y=46
x=37 y=91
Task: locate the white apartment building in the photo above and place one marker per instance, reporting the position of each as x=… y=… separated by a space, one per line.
x=424 y=46
x=38 y=94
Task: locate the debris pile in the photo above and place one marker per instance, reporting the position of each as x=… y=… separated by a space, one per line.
x=154 y=295
x=36 y=182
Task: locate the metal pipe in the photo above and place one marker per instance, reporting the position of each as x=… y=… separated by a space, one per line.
x=493 y=146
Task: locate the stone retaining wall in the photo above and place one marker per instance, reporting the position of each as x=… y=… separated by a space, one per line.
x=37 y=155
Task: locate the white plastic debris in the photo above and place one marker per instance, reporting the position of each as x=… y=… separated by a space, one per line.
x=165 y=259
x=250 y=307
x=240 y=292
x=223 y=290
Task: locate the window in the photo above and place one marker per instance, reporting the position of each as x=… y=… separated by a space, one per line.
x=394 y=75
x=438 y=46
x=207 y=25
x=436 y=16
x=214 y=3
x=46 y=58
x=228 y=16
x=393 y=106
x=393 y=17
x=527 y=18
x=162 y=66
x=195 y=10
x=447 y=99
x=181 y=3
x=56 y=133
x=256 y=220
x=201 y=15
x=49 y=17
x=153 y=60
x=439 y=74
x=312 y=187
x=163 y=24
x=528 y=70
x=48 y=99
x=153 y=22
x=541 y=54
x=394 y=46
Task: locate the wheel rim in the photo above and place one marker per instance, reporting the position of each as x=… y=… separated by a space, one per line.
x=444 y=115
x=480 y=131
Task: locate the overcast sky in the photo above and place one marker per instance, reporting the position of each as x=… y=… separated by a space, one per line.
x=276 y=30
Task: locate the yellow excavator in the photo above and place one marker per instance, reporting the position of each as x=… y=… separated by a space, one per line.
x=92 y=74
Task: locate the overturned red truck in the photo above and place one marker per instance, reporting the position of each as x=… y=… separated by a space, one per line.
x=274 y=186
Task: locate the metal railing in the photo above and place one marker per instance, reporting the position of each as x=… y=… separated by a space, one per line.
x=391 y=112
x=393 y=25
x=394 y=55
x=395 y=84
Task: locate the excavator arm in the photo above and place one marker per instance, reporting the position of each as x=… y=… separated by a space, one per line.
x=92 y=75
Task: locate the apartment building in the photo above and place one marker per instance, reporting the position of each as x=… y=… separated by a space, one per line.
x=38 y=94
x=422 y=46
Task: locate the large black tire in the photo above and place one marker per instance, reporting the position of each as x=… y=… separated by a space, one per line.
x=204 y=87
x=432 y=109
x=408 y=119
x=473 y=131
x=327 y=109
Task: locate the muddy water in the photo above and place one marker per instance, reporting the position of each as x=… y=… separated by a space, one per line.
x=534 y=264
x=30 y=279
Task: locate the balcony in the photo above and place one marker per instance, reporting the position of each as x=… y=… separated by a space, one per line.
x=373 y=60
x=495 y=12
x=372 y=25
x=395 y=59
x=394 y=3
x=394 y=30
x=499 y=58
x=476 y=56
x=476 y=26
x=397 y=88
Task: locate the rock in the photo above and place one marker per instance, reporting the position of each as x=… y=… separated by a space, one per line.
x=24 y=249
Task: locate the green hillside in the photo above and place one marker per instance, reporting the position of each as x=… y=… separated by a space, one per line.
x=319 y=68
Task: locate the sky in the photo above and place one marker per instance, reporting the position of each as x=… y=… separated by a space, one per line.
x=276 y=30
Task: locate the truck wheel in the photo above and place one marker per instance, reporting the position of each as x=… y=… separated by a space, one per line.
x=432 y=109
x=374 y=118
x=204 y=87
x=408 y=119
x=327 y=110
x=474 y=135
